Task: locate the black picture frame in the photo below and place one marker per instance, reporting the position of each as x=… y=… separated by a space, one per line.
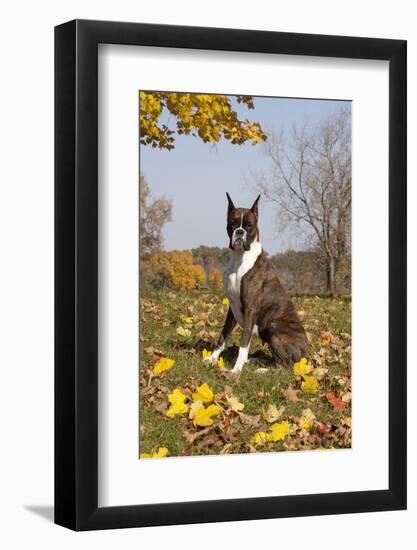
x=76 y=272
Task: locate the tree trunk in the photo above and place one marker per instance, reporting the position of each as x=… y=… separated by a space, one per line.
x=330 y=276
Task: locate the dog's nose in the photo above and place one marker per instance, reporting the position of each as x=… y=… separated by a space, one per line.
x=239 y=232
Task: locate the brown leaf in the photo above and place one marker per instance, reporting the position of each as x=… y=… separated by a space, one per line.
x=248 y=419
x=290 y=394
x=192 y=435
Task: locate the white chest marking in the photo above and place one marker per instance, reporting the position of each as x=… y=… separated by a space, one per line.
x=239 y=264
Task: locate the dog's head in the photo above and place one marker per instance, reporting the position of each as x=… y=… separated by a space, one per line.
x=242 y=225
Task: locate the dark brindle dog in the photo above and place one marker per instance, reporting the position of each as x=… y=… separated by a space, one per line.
x=258 y=302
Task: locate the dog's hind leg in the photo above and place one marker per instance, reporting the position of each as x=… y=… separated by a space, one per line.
x=286 y=350
x=229 y=325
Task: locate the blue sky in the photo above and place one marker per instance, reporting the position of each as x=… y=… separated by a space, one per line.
x=196 y=176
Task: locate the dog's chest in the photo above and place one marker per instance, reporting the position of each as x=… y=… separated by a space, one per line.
x=237 y=267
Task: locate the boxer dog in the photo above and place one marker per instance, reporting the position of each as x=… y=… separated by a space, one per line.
x=257 y=300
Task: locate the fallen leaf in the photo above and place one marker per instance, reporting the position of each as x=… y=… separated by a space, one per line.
x=204 y=393
x=302 y=367
x=278 y=431
x=307 y=419
x=178 y=405
x=191 y=436
x=291 y=394
x=272 y=413
x=225 y=302
x=249 y=420
x=162 y=452
x=183 y=331
x=335 y=401
x=310 y=384
x=186 y=320
x=203 y=415
x=234 y=403
x=164 y=364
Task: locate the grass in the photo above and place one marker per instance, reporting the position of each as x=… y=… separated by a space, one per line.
x=328 y=324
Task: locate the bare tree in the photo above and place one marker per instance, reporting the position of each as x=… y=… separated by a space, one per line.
x=310 y=182
x=153 y=214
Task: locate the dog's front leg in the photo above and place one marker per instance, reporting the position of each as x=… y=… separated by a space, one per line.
x=248 y=324
x=229 y=325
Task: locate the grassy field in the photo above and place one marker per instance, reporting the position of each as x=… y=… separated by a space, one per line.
x=253 y=412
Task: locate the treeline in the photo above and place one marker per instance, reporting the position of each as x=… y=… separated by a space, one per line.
x=301 y=272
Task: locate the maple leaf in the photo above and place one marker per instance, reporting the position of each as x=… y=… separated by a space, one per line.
x=165 y=363
x=325 y=338
x=161 y=453
x=319 y=372
x=259 y=437
x=234 y=403
x=310 y=384
x=278 y=431
x=203 y=415
x=183 y=331
x=225 y=301
x=335 y=401
x=186 y=320
x=302 y=367
x=204 y=393
x=206 y=354
x=291 y=394
x=220 y=363
x=178 y=405
x=307 y=419
x=347 y=420
x=272 y=413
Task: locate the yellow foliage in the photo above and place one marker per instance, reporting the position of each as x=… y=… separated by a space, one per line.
x=302 y=367
x=215 y=279
x=204 y=393
x=310 y=384
x=178 y=405
x=175 y=268
x=161 y=453
x=208 y=116
x=202 y=416
x=165 y=363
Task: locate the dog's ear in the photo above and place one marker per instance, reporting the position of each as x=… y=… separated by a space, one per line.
x=230 y=205
x=254 y=208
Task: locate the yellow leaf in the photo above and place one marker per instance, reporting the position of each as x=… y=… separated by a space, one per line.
x=272 y=413
x=278 y=431
x=220 y=363
x=183 y=331
x=319 y=372
x=161 y=453
x=347 y=420
x=225 y=301
x=187 y=320
x=259 y=437
x=310 y=384
x=178 y=405
x=204 y=393
x=162 y=365
x=203 y=415
x=234 y=403
x=206 y=353
x=302 y=367
x=307 y=419
x=194 y=407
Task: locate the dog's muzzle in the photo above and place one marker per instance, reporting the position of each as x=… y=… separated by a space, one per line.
x=239 y=238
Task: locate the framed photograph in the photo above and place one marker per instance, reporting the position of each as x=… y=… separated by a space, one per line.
x=230 y=254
